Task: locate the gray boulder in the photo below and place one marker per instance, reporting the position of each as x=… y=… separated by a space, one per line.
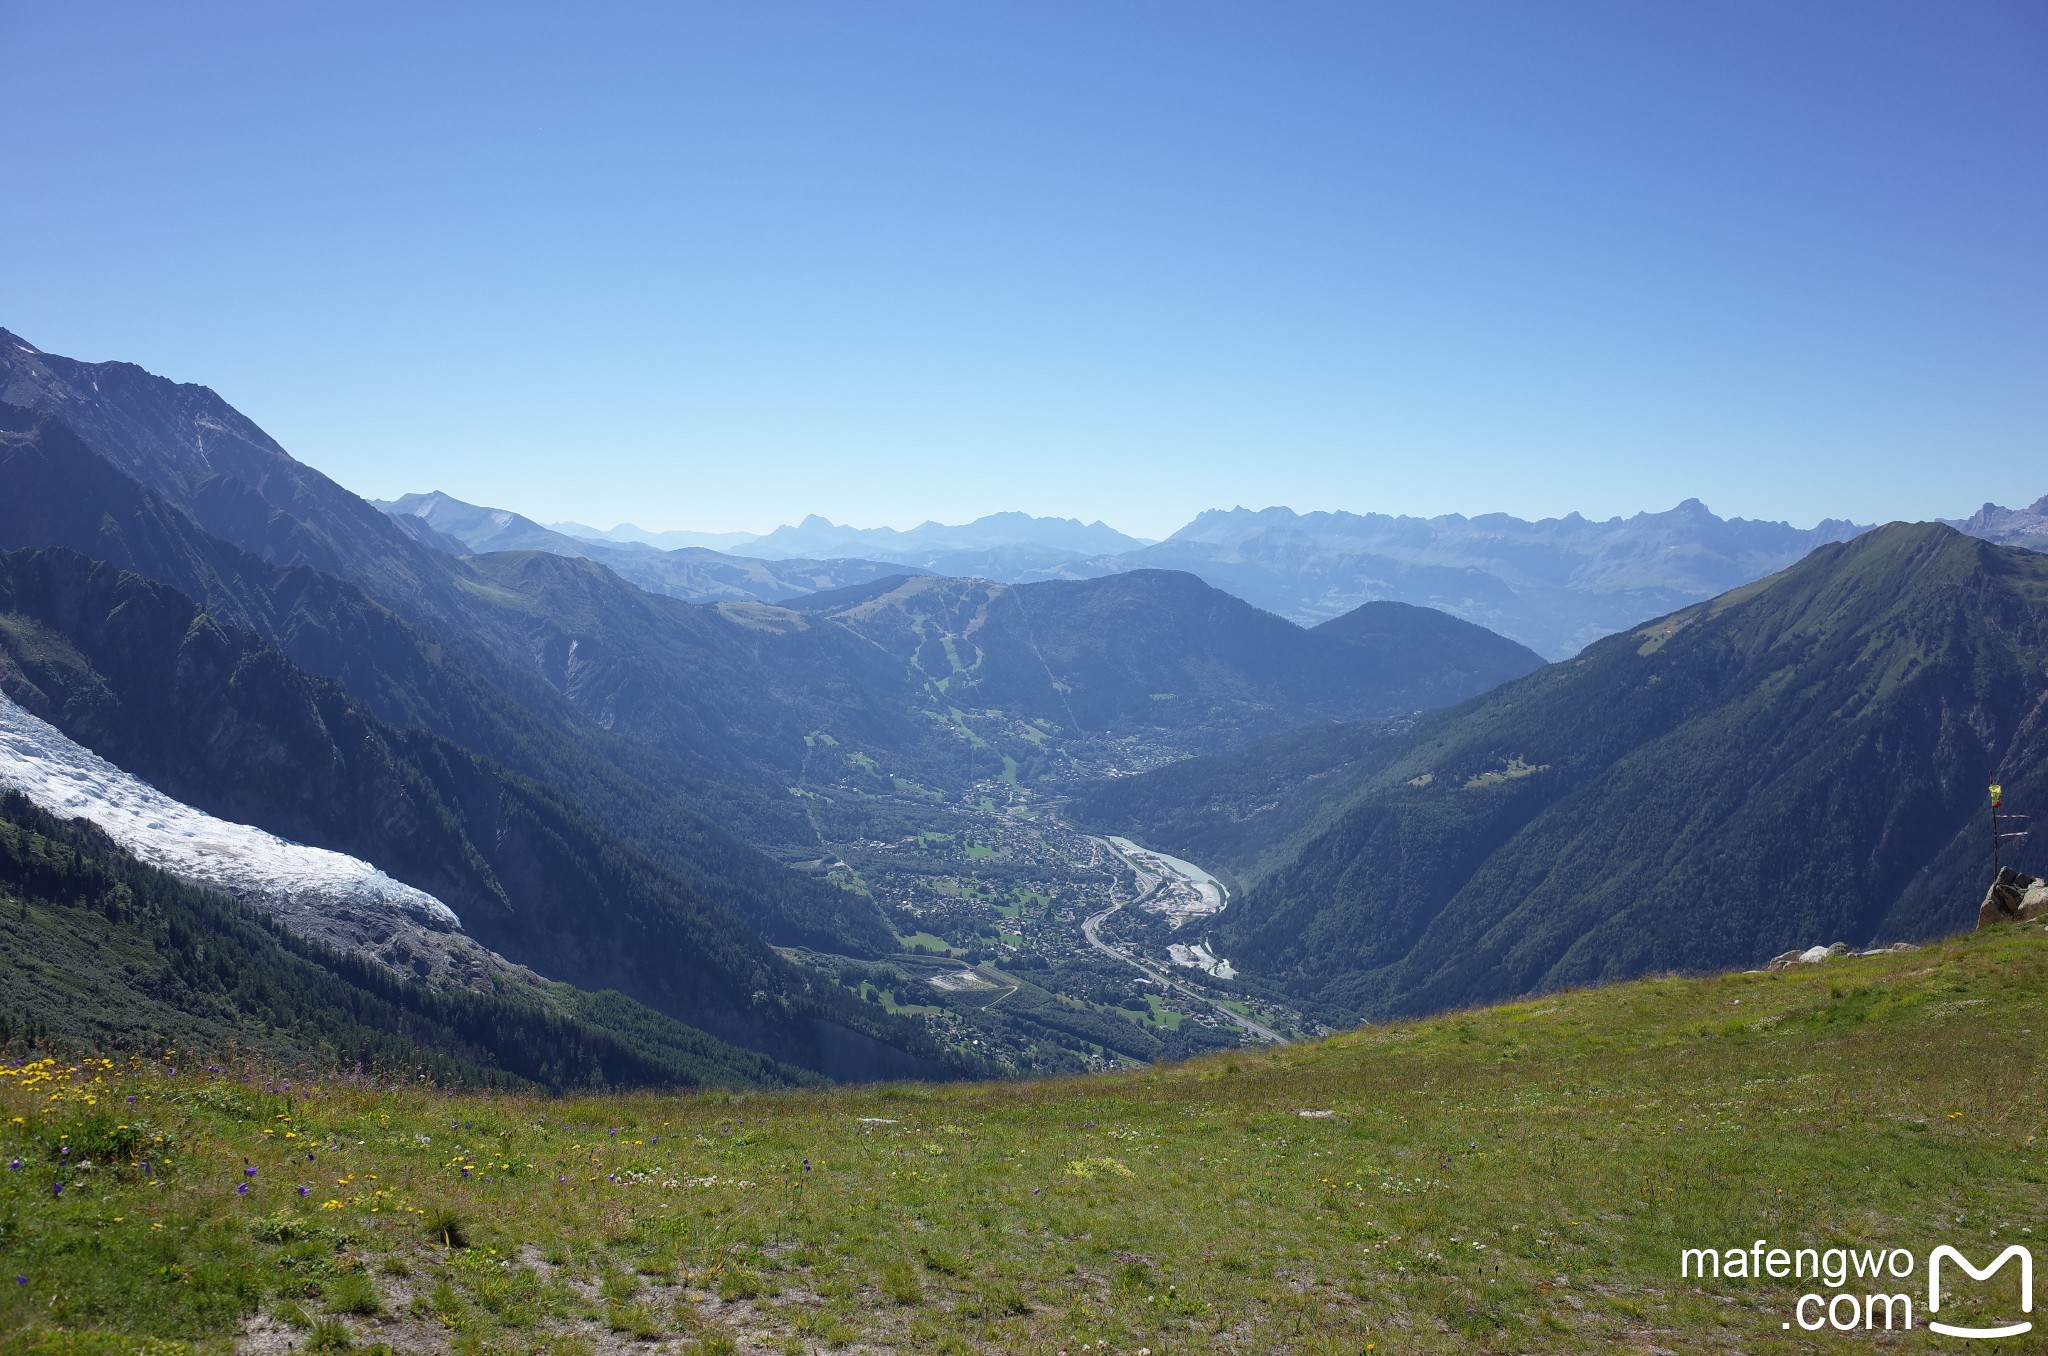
x=2034 y=903
x=2007 y=896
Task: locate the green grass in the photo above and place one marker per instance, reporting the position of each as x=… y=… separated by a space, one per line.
x=1513 y=1179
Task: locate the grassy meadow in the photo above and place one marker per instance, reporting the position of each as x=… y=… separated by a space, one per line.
x=1520 y=1178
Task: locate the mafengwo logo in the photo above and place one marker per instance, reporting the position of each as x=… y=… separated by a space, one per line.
x=1873 y=1288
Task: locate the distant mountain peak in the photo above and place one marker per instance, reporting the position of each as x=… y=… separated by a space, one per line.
x=2026 y=527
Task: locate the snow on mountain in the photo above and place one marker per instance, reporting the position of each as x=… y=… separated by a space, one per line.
x=338 y=899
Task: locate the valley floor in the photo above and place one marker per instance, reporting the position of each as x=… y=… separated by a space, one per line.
x=1046 y=949
x=1514 y=1179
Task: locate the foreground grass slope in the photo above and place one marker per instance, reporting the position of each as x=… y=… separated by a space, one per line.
x=1511 y=1179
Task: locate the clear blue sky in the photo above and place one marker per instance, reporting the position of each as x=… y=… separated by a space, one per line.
x=720 y=265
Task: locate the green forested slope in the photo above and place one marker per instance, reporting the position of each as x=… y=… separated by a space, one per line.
x=1800 y=761
x=132 y=670
x=1436 y=657
x=1162 y=654
x=57 y=492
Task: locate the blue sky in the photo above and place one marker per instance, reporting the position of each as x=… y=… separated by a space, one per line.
x=721 y=265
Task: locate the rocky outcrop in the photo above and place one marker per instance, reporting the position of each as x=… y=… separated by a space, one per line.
x=2012 y=898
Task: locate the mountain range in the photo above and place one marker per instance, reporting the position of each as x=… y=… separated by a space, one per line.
x=215 y=718
x=1162 y=652
x=711 y=817
x=667 y=541
x=614 y=788
x=690 y=572
x=820 y=536
x=1555 y=585
x=1799 y=760
x=718 y=704
x=63 y=494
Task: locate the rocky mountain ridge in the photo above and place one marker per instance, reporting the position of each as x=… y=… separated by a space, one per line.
x=2026 y=527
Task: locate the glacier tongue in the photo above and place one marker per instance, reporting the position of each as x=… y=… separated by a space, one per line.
x=67 y=779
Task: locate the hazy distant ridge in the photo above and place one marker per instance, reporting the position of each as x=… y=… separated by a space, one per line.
x=689 y=572
x=1554 y=584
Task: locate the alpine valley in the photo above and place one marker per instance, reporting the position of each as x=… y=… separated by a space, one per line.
x=435 y=786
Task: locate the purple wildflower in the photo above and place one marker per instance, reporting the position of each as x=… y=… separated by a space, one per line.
x=14 y=1165
x=302 y=1191
x=56 y=1188
x=248 y=1172
x=21 y=1280
x=242 y=1190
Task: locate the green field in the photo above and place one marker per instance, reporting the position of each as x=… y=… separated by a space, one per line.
x=1161 y=1013
x=1514 y=1179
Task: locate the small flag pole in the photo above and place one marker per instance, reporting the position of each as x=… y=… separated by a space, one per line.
x=1997 y=798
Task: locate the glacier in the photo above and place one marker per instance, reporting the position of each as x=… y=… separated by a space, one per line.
x=332 y=897
x=67 y=779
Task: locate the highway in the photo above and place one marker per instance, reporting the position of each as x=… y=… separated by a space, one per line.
x=1091 y=928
